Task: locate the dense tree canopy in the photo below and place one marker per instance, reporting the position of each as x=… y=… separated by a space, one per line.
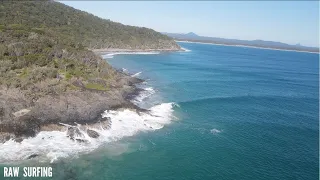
x=44 y=46
x=80 y=27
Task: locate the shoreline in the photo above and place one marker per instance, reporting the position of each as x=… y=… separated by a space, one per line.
x=72 y=140
x=116 y=50
x=73 y=107
x=84 y=135
x=89 y=133
x=256 y=47
x=50 y=112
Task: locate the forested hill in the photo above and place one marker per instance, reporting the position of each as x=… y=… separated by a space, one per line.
x=44 y=47
x=76 y=27
x=48 y=74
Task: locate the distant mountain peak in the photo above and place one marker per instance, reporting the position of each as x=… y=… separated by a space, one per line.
x=191 y=34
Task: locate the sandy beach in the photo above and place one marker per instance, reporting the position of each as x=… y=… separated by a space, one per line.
x=115 y=50
x=249 y=47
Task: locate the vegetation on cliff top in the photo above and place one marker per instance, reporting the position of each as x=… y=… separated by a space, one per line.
x=44 y=47
x=80 y=27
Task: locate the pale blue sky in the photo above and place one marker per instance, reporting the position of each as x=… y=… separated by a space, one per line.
x=290 y=22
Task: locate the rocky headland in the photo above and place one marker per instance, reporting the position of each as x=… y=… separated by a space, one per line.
x=22 y=117
x=51 y=80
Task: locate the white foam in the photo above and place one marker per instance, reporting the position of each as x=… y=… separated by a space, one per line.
x=147 y=92
x=111 y=55
x=215 y=131
x=185 y=49
x=107 y=56
x=55 y=144
x=136 y=74
x=124 y=70
x=146 y=53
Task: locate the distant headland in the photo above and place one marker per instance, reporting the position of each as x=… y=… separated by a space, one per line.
x=192 y=37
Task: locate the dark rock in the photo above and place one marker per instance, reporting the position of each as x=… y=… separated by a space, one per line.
x=1 y=112
x=6 y=137
x=80 y=140
x=74 y=132
x=92 y=133
x=19 y=140
x=131 y=95
x=82 y=107
x=33 y=156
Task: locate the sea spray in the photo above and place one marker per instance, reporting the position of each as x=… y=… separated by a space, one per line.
x=53 y=145
x=144 y=94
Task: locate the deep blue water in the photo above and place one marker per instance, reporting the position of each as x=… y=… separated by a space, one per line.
x=244 y=114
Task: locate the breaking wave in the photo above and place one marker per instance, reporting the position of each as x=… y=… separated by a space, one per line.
x=136 y=74
x=185 y=49
x=147 y=92
x=53 y=145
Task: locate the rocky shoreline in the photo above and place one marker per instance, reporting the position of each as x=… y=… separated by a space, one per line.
x=21 y=119
x=22 y=116
x=49 y=78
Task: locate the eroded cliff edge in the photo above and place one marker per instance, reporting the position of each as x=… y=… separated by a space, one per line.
x=23 y=116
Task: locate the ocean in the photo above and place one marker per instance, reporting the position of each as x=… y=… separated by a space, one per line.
x=217 y=112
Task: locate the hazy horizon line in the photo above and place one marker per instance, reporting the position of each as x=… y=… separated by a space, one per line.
x=299 y=44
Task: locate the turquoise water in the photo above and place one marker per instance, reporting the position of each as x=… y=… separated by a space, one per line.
x=243 y=114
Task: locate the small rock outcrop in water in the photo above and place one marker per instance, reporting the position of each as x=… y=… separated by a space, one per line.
x=92 y=133
x=33 y=156
x=19 y=139
x=74 y=132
